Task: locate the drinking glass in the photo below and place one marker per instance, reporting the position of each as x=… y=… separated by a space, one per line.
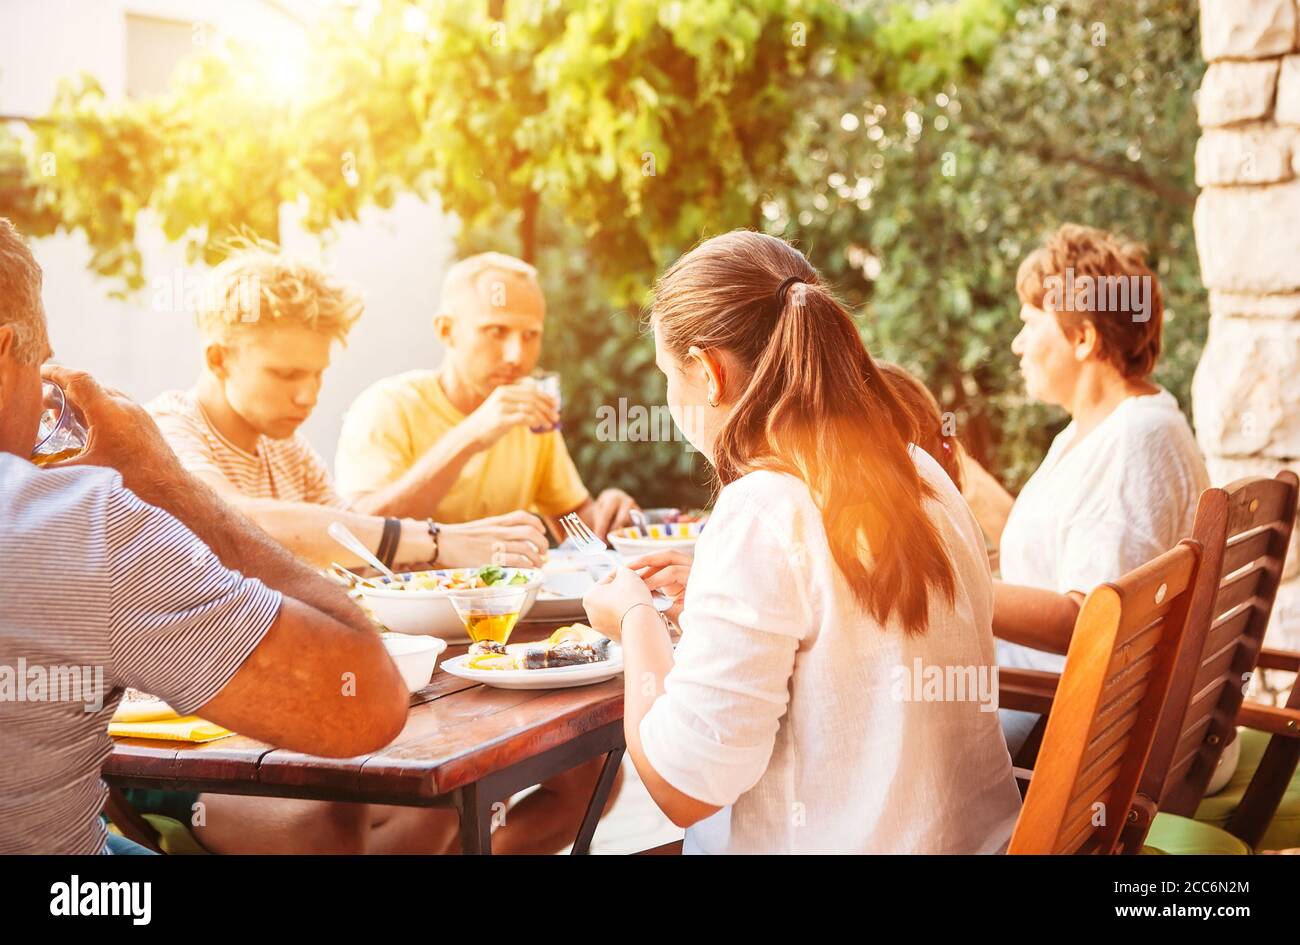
x=61 y=435
x=548 y=382
x=489 y=614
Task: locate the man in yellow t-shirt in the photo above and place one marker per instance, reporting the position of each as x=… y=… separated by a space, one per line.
x=456 y=443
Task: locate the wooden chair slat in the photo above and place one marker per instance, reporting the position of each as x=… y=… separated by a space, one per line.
x=1118 y=708
x=1240 y=588
x=1216 y=668
x=1139 y=647
x=1108 y=705
x=1134 y=674
x=1096 y=781
x=1249 y=546
x=1227 y=629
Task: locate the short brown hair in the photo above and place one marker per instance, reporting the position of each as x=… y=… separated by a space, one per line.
x=1104 y=278
x=20 y=296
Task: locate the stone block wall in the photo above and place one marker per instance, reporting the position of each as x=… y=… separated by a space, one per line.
x=1246 y=394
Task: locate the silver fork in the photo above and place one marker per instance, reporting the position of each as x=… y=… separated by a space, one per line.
x=588 y=543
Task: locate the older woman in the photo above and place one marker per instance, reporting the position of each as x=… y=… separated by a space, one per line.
x=1119 y=484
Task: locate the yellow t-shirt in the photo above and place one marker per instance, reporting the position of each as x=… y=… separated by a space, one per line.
x=395 y=421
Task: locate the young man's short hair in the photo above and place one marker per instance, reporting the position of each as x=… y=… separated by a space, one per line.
x=259 y=287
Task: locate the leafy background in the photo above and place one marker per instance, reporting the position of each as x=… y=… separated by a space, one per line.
x=916 y=151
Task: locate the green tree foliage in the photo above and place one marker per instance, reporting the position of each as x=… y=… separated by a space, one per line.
x=923 y=206
x=916 y=151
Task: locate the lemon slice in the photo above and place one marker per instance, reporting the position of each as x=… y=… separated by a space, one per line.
x=578 y=633
x=491 y=661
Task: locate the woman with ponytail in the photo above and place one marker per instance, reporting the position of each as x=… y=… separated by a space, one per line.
x=833 y=687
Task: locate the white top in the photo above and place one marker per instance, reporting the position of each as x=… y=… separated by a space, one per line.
x=816 y=728
x=1123 y=494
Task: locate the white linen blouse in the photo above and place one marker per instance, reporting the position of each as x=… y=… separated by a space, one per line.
x=1096 y=510
x=816 y=728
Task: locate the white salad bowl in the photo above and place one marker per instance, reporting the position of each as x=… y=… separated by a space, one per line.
x=429 y=612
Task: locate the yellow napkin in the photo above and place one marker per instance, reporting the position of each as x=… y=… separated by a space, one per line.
x=188 y=728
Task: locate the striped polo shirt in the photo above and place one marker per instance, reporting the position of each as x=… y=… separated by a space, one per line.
x=99 y=591
x=288 y=469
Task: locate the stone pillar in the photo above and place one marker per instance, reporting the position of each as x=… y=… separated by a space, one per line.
x=1246 y=394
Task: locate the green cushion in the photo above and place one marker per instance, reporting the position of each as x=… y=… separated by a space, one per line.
x=174 y=837
x=1182 y=836
x=1284 y=831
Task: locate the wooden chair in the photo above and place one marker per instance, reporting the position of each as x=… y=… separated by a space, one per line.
x=1225 y=648
x=1084 y=793
x=1244 y=531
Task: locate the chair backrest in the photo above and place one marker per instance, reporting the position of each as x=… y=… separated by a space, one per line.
x=1107 y=708
x=1244 y=530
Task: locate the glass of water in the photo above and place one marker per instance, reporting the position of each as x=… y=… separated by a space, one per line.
x=548 y=382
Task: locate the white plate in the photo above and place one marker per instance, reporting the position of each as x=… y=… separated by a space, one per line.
x=562 y=677
x=566 y=577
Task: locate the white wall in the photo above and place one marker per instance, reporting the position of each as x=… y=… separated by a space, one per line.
x=397 y=256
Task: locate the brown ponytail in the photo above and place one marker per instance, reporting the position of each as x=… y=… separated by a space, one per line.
x=814 y=405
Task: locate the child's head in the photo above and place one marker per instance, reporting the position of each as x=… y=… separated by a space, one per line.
x=932 y=431
x=268 y=325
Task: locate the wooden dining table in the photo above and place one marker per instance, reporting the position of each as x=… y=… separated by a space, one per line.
x=465 y=745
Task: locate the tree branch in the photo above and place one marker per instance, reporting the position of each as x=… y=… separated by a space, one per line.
x=1049 y=154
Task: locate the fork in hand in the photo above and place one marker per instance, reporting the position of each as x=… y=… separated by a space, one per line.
x=588 y=543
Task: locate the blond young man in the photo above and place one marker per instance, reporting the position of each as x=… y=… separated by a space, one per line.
x=268 y=326
x=456 y=443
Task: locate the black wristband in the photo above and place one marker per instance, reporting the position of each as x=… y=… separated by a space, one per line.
x=388 y=543
x=434 y=529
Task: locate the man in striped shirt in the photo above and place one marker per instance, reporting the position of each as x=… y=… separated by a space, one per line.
x=268 y=325
x=98 y=574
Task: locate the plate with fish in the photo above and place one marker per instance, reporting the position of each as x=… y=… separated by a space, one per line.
x=575 y=655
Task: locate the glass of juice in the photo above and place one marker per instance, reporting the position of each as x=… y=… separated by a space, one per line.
x=548 y=382
x=489 y=613
x=62 y=435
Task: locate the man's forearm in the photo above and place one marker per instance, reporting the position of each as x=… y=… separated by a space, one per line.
x=1033 y=617
x=417 y=493
x=303 y=529
x=242 y=546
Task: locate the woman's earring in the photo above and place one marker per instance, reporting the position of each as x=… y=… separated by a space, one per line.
x=713 y=399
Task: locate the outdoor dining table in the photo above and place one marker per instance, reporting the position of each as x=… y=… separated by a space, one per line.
x=465 y=745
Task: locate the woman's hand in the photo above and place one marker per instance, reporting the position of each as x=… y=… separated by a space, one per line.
x=611 y=597
x=666 y=571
